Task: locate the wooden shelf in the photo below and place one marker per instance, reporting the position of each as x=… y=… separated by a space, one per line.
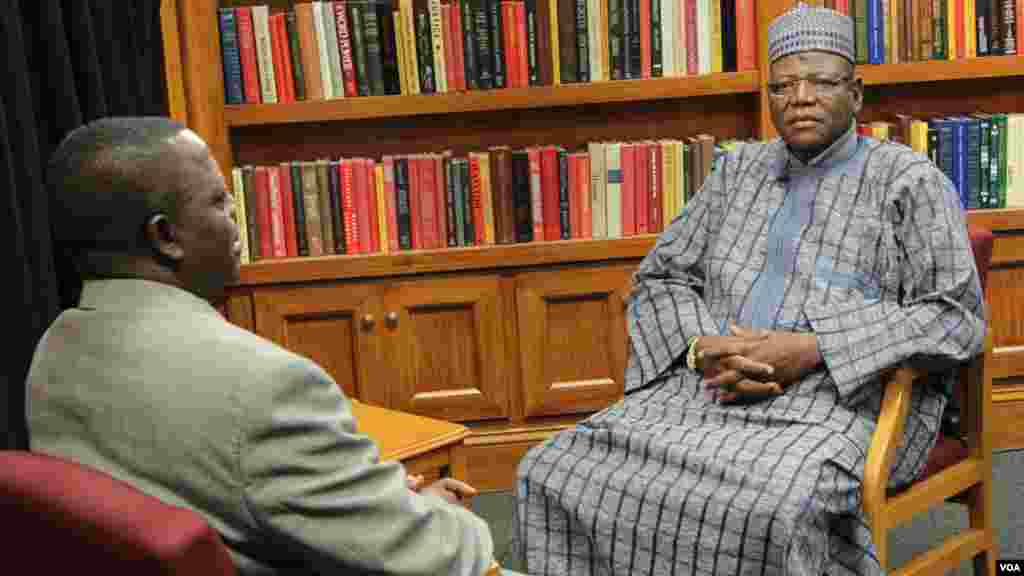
x=1003 y=219
x=939 y=70
x=368 y=107
x=446 y=260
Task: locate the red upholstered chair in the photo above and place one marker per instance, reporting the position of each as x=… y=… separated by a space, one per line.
x=61 y=517
x=958 y=469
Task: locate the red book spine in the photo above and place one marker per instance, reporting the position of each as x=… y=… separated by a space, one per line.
x=282 y=59
x=389 y=202
x=288 y=203
x=522 y=44
x=476 y=199
x=843 y=6
x=370 y=167
x=286 y=56
x=575 y=213
x=960 y=30
x=459 y=47
x=414 y=203
x=746 y=35
x=628 y=189
x=549 y=183
x=641 y=158
x=348 y=207
x=428 y=203
x=586 y=213
x=507 y=28
x=247 y=50
x=362 y=195
x=536 y=193
x=440 y=199
x=656 y=209
x=263 y=218
x=1020 y=26
x=277 y=213
x=348 y=70
x=645 y=38
x=449 y=46
x=691 y=41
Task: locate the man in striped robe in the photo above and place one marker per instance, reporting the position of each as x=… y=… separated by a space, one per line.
x=759 y=327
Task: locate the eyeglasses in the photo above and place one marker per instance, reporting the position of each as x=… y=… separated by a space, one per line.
x=823 y=87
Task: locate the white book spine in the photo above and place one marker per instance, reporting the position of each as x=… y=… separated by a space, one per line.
x=598 y=178
x=264 y=53
x=238 y=188
x=331 y=45
x=437 y=44
x=613 y=200
x=321 y=45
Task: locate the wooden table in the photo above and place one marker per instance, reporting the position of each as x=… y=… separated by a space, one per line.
x=426 y=446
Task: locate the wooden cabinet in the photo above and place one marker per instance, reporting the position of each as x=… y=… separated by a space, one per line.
x=572 y=338
x=447 y=343
x=337 y=326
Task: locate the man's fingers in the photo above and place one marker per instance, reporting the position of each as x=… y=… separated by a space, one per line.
x=458 y=487
x=747 y=390
x=751 y=368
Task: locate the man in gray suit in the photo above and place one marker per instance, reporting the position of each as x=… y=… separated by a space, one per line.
x=146 y=381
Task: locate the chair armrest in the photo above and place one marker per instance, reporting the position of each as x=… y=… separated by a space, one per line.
x=887 y=437
x=494 y=570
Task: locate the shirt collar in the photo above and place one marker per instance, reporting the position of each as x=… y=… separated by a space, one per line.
x=139 y=294
x=838 y=152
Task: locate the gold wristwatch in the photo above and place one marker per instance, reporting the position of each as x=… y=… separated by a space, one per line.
x=691 y=353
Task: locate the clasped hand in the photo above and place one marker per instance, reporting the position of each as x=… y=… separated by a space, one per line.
x=750 y=365
x=452 y=490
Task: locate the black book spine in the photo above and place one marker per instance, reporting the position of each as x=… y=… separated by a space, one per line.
x=616 y=50
x=467 y=197
x=388 y=48
x=530 y=10
x=402 y=213
x=334 y=191
x=358 y=40
x=471 y=69
x=563 y=194
x=449 y=186
x=301 y=242
x=657 y=42
x=298 y=72
x=374 y=64
x=497 y=42
x=635 y=62
x=582 y=43
x=424 y=48
x=523 y=209
x=484 y=51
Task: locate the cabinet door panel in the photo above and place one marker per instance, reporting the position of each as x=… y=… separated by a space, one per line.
x=336 y=326
x=572 y=339
x=449 y=348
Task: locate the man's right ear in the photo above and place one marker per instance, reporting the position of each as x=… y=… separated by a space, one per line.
x=163 y=238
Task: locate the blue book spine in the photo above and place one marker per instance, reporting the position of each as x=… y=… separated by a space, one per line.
x=876 y=32
x=960 y=159
x=944 y=154
x=972 y=163
x=232 y=57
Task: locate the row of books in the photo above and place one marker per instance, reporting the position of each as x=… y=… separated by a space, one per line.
x=344 y=48
x=493 y=196
x=982 y=154
x=891 y=31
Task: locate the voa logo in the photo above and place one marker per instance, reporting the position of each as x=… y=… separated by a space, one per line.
x=1010 y=567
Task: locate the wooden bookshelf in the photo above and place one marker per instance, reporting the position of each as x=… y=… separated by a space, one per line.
x=941 y=70
x=535 y=97
x=520 y=340
x=409 y=263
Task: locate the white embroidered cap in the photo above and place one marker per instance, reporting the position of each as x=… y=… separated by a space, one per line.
x=805 y=28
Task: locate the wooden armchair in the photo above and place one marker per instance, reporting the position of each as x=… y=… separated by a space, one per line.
x=957 y=470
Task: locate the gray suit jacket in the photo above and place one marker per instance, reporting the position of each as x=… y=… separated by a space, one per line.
x=152 y=385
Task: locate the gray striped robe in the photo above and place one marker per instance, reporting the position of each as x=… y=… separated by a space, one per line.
x=866 y=247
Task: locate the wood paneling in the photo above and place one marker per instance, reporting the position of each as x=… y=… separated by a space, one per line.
x=239 y=309
x=1005 y=292
x=177 y=103
x=450 y=348
x=572 y=338
x=1006 y=424
x=337 y=326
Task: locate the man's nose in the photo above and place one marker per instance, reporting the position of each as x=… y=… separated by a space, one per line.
x=804 y=92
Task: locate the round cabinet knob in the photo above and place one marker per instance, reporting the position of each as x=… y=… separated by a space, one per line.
x=392 y=319
x=368 y=321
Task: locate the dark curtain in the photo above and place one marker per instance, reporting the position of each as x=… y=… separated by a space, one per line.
x=67 y=63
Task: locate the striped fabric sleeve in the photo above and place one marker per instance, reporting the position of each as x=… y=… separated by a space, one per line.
x=938 y=318
x=666 y=305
